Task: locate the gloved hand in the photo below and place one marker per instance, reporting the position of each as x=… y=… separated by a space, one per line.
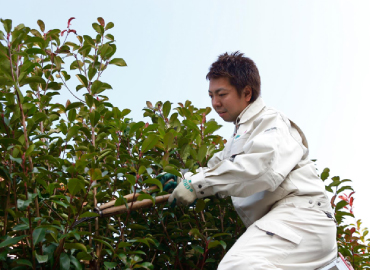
x=165 y=179
x=184 y=193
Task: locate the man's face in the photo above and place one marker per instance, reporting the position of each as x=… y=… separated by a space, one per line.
x=225 y=99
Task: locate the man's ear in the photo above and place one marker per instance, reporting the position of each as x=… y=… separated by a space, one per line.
x=247 y=91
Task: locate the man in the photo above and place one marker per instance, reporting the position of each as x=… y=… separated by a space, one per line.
x=265 y=168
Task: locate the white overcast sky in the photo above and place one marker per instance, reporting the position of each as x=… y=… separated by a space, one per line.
x=313 y=57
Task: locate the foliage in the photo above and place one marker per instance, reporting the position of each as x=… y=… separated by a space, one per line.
x=352 y=241
x=58 y=162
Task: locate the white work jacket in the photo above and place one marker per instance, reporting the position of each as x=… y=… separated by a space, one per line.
x=264 y=163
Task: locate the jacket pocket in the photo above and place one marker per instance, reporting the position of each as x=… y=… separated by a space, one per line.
x=236 y=147
x=279 y=230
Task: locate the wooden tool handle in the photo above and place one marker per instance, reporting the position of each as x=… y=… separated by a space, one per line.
x=132 y=206
x=130 y=197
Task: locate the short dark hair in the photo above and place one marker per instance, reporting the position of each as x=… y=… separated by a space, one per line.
x=240 y=70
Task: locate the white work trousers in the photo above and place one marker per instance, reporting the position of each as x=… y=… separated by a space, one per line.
x=286 y=238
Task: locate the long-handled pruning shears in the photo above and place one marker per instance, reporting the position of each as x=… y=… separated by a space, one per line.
x=108 y=209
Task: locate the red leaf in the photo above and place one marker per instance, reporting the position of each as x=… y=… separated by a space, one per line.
x=351 y=201
x=101 y=21
x=331 y=201
x=61 y=34
x=73 y=31
x=69 y=21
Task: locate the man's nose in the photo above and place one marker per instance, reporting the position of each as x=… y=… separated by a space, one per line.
x=216 y=102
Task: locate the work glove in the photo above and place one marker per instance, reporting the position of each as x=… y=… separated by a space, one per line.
x=168 y=180
x=184 y=193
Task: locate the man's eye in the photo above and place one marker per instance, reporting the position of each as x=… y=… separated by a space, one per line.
x=221 y=95
x=211 y=96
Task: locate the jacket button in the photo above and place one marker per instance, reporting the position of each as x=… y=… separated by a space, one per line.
x=202 y=192
x=310 y=201
x=319 y=203
x=199 y=186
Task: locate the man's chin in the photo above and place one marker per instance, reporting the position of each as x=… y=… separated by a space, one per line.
x=226 y=119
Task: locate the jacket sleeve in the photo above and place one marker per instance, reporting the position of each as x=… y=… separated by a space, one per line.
x=256 y=161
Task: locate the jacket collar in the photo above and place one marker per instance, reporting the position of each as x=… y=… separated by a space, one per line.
x=250 y=111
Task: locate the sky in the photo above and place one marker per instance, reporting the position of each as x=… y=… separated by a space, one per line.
x=313 y=57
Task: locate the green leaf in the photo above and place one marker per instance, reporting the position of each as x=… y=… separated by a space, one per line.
x=82 y=79
x=41 y=258
x=97 y=87
x=214 y=243
x=168 y=140
x=98 y=28
x=120 y=201
x=153 y=181
x=74 y=105
x=105 y=243
x=340 y=205
x=41 y=25
x=9 y=241
x=75 y=263
x=33 y=79
x=7 y=25
x=75 y=246
x=21 y=227
x=146 y=265
x=24 y=262
x=72 y=115
x=85 y=50
x=131 y=179
x=94 y=117
x=83 y=256
x=118 y=62
x=344 y=188
x=325 y=174
x=75 y=185
x=91 y=73
x=172 y=170
x=137 y=227
x=221 y=234
x=22 y=205
x=38 y=235
x=73 y=131
x=110 y=37
x=88 y=40
x=142 y=169
x=124 y=244
x=89 y=214
x=202 y=153
x=211 y=126
x=30 y=150
x=35 y=51
x=146 y=196
x=77 y=64
x=110 y=265
x=191 y=125
x=18 y=160
x=195 y=233
x=89 y=100
x=109 y=25
x=200 y=205
x=149 y=142
x=65 y=261
x=198 y=249
x=166 y=108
